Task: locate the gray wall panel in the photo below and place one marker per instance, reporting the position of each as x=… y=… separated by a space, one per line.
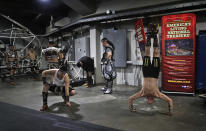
x=118 y=38
x=82 y=47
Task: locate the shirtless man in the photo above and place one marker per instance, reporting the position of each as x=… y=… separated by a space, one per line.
x=11 y=62
x=60 y=79
x=32 y=56
x=150 y=88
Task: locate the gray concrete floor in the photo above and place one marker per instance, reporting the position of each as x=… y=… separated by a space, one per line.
x=92 y=106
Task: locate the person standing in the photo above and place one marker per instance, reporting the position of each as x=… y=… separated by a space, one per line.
x=11 y=62
x=108 y=68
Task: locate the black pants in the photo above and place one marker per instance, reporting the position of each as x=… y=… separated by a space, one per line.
x=59 y=89
x=89 y=77
x=109 y=84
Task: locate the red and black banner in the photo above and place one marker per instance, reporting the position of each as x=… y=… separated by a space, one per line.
x=139 y=29
x=140 y=35
x=178 y=52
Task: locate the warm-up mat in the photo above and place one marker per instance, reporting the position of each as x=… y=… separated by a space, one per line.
x=15 y=118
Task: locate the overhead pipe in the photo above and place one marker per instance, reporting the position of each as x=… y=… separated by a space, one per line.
x=160 y=9
x=23 y=27
x=16 y=23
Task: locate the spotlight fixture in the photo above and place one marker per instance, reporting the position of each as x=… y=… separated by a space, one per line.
x=108 y=12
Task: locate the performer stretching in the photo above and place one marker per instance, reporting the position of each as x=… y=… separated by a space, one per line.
x=60 y=79
x=150 y=88
x=87 y=64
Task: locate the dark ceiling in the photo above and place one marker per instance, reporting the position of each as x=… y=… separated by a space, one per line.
x=36 y=14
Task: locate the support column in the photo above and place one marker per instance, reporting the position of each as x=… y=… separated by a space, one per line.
x=95 y=52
